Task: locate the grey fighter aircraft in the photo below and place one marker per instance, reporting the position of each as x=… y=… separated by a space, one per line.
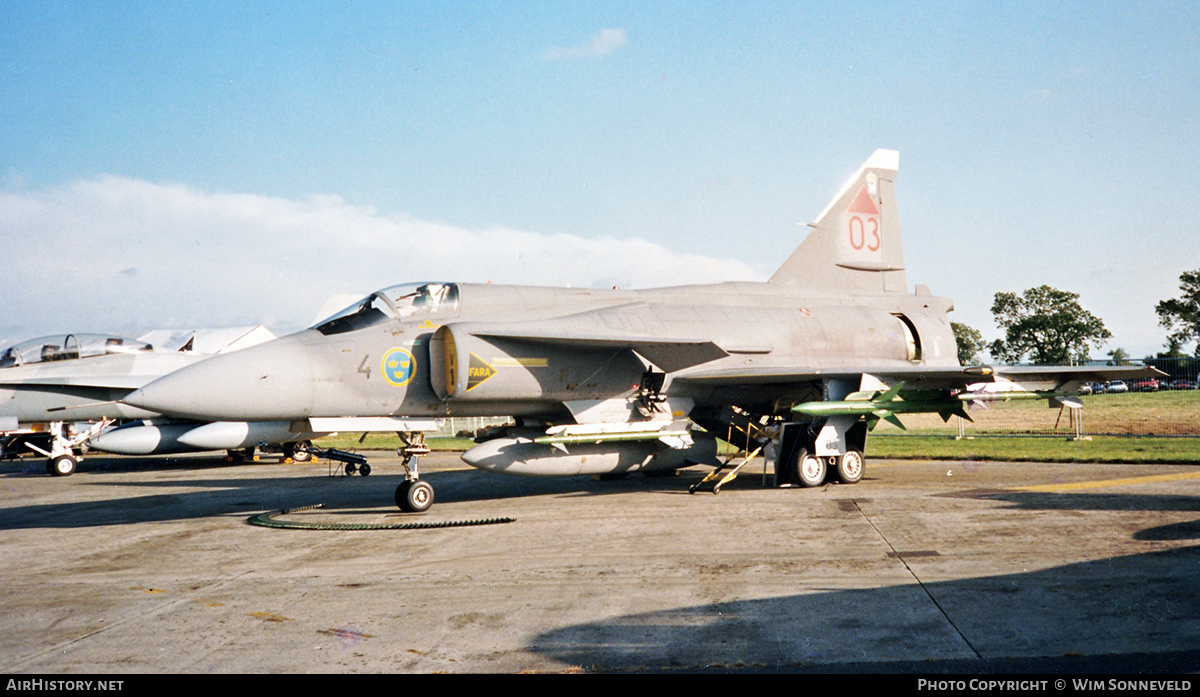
x=58 y=395
x=612 y=381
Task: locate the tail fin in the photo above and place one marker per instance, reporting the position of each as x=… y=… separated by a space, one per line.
x=855 y=244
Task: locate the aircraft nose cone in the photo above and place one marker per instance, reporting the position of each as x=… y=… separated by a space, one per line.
x=271 y=381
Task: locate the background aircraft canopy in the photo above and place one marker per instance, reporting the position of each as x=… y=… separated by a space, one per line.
x=70 y=346
x=397 y=302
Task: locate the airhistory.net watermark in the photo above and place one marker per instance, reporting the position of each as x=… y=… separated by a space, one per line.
x=42 y=685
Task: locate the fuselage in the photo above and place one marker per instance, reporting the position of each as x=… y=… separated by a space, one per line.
x=490 y=350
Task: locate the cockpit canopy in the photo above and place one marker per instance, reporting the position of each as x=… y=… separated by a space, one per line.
x=402 y=303
x=69 y=347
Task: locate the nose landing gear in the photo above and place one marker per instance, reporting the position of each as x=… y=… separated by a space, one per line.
x=413 y=495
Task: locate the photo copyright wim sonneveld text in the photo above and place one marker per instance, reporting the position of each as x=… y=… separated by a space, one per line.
x=1077 y=684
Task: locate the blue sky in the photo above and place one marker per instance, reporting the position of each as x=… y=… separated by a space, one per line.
x=209 y=163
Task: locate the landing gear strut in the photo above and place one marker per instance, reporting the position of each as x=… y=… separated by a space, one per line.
x=413 y=495
x=61 y=460
x=823 y=450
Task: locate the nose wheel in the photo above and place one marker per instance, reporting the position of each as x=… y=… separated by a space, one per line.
x=413 y=495
x=61 y=466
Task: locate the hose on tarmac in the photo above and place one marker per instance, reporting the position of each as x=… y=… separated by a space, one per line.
x=268 y=520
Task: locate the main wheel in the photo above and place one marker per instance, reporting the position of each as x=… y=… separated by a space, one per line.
x=300 y=452
x=850 y=467
x=810 y=469
x=61 y=466
x=414 y=496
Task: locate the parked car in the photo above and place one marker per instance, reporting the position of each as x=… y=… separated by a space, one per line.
x=1183 y=385
x=1116 y=387
x=1146 y=385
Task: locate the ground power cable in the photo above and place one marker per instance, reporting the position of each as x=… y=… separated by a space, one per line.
x=268 y=520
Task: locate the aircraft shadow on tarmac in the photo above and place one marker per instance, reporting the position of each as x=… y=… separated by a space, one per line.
x=1133 y=614
x=1105 y=502
x=374 y=494
x=1124 y=614
x=339 y=494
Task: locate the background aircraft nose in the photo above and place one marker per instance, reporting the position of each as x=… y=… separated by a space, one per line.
x=271 y=381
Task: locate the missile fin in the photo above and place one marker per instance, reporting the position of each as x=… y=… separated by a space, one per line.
x=890 y=395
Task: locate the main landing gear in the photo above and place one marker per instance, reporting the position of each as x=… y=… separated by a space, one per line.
x=299 y=452
x=812 y=470
x=823 y=450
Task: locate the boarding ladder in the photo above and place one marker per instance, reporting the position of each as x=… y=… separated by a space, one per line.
x=740 y=425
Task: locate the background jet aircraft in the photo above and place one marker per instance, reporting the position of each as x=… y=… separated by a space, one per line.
x=609 y=381
x=49 y=384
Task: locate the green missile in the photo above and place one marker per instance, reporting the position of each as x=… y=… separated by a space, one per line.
x=885 y=405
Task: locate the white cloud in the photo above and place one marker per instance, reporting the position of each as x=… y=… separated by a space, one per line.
x=123 y=255
x=602 y=44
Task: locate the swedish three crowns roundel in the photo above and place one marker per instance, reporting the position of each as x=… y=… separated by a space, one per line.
x=398 y=367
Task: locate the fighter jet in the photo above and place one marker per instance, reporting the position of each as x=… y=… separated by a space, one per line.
x=49 y=385
x=616 y=381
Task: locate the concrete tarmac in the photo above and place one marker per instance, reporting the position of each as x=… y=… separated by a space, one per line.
x=149 y=565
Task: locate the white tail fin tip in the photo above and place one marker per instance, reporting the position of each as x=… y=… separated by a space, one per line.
x=884 y=159
x=855 y=243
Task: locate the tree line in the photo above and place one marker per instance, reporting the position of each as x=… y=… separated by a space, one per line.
x=1048 y=326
